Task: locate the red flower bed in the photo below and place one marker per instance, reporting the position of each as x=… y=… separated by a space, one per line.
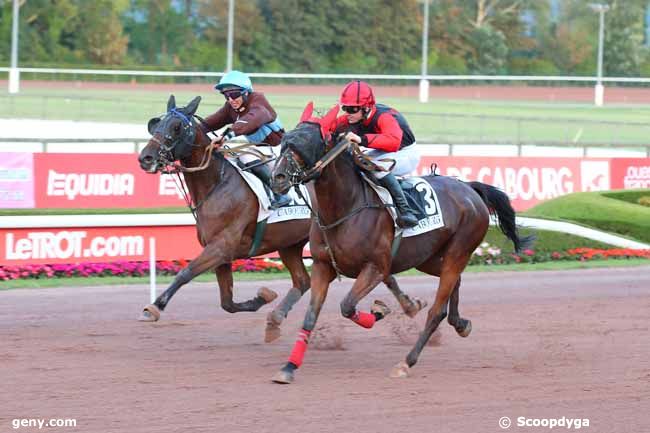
x=124 y=269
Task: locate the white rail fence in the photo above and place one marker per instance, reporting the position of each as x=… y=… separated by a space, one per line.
x=423 y=80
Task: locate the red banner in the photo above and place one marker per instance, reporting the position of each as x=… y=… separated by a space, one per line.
x=630 y=173
x=96 y=244
x=116 y=180
x=527 y=181
x=100 y=181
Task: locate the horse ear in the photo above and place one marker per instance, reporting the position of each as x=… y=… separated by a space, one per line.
x=192 y=106
x=307 y=113
x=151 y=125
x=171 y=103
x=328 y=122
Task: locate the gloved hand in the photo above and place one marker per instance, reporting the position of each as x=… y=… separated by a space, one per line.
x=353 y=137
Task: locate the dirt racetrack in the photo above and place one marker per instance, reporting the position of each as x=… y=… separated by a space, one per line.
x=571 y=344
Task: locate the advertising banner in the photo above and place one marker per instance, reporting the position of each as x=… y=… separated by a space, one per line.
x=100 y=181
x=16 y=180
x=527 y=181
x=116 y=181
x=96 y=244
x=630 y=173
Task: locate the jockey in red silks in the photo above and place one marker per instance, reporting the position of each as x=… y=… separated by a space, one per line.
x=387 y=135
x=252 y=117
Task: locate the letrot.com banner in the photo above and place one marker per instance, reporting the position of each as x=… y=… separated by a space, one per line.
x=90 y=244
x=116 y=180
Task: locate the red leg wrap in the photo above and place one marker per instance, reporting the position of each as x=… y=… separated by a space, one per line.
x=367 y=320
x=299 y=348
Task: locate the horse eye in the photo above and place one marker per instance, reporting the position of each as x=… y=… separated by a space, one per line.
x=177 y=128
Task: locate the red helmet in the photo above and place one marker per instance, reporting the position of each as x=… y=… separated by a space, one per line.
x=357 y=94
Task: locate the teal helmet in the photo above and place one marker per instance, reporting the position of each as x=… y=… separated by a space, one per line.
x=235 y=79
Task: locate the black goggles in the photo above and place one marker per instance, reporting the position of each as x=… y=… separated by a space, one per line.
x=232 y=94
x=351 y=109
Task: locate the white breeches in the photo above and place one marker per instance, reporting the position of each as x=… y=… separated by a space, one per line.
x=246 y=158
x=406 y=160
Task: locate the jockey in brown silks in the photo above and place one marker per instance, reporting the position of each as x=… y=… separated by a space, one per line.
x=251 y=116
x=388 y=136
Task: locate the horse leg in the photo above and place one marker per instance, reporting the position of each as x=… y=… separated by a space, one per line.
x=224 y=278
x=449 y=275
x=411 y=307
x=322 y=276
x=208 y=259
x=367 y=280
x=292 y=259
x=462 y=326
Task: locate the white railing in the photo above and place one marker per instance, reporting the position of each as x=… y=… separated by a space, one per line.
x=525 y=78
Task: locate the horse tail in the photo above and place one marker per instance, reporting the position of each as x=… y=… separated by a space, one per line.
x=498 y=203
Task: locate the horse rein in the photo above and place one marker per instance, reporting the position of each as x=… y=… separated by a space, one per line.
x=299 y=176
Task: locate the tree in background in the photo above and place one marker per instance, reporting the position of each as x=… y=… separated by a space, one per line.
x=623 y=38
x=250 y=41
x=46 y=31
x=158 y=31
x=100 y=34
x=571 y=41
x=537 y=37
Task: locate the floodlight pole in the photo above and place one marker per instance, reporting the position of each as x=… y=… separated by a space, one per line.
x=424 y=83
x=231 y=30
x=14 y=73
x=599 y=90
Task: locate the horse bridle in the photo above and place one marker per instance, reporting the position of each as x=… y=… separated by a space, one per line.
x=169 y=143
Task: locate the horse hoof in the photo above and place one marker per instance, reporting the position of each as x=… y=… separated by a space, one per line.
x=272 y=333
x=415 y=307
x=467 y=330
x=379 y=307
x=267 y=294
x=150 y=313
x=400 y=370
x=283 y=377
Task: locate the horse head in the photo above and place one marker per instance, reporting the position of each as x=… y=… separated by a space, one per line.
x=302 y=147
x=172 y=136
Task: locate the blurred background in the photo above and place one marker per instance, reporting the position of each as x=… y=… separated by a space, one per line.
x=494 y=71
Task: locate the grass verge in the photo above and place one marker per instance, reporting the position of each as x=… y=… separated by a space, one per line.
x=161 y=281
x=600 y=211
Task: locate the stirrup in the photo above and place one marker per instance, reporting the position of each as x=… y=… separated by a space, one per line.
x=281 y=201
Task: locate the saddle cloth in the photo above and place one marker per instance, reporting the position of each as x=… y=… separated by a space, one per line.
x=296 y=209
x=421 y=197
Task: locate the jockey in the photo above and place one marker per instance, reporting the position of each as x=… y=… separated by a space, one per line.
x=387 y=134
x=252 y=117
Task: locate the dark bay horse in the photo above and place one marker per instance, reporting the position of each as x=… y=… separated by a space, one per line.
x=226 y=211
x=360 y=245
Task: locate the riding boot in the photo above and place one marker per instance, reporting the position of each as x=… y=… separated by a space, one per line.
x=405 y=216
x=263 y=172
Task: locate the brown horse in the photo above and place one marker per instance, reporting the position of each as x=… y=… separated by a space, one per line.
x=226 y=212
x=353 y=234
